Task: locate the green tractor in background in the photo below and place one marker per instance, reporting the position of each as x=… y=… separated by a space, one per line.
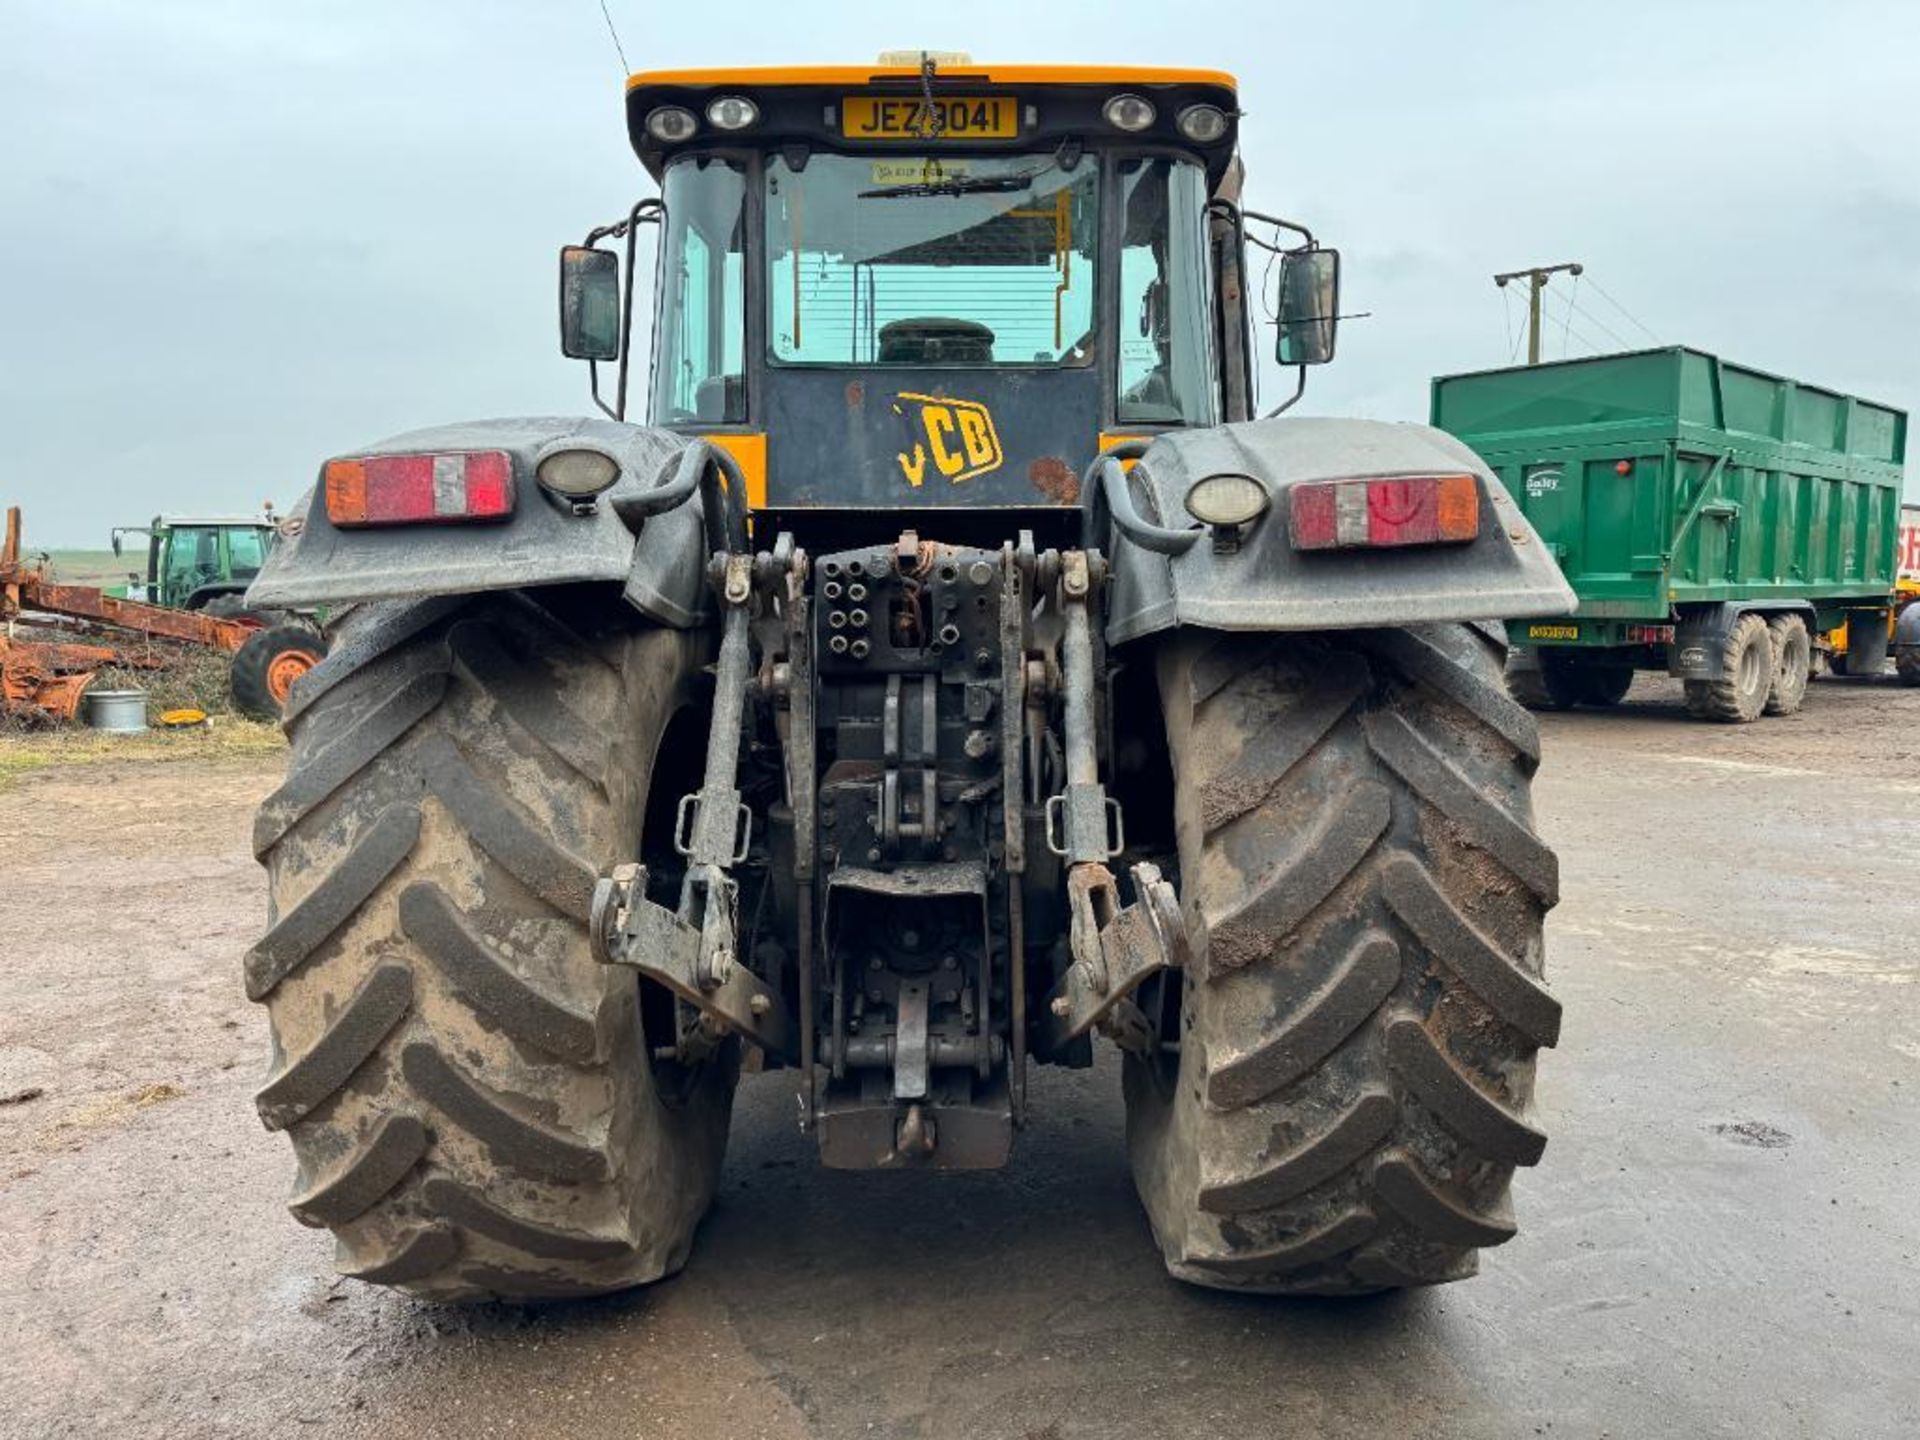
x=205 y=563
x=201 y=562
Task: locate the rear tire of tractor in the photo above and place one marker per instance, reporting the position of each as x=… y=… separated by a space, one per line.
x=1358 y=1027
x=1906 y=664
x=267 y=665
x=1792 y=664
x=1746 y=676
x=469 y=1094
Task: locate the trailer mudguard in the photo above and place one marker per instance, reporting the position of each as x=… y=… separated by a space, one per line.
x=1906 y=630
x=1263 y=583
x=544 y=542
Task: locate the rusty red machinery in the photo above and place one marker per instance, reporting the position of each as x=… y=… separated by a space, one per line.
x=49 y=677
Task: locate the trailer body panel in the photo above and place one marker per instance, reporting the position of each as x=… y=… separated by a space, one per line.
x=1666 y=478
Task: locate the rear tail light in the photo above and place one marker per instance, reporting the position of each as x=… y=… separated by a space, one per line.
x=408 y=489
x=1403 y=510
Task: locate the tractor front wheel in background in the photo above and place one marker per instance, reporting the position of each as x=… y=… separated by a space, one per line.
x=266 y=666
x=471 y=1097
x=1746 y=676
x=1354 y=1077
x=1792 y=664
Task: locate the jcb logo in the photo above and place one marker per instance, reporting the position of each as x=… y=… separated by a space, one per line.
x=956 y=436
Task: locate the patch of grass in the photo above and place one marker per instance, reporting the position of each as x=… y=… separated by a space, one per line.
x=226 y=737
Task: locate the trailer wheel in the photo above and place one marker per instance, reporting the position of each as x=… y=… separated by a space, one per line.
x=469 y=1095
x=1604 y=686
x=266 y=666
x=1746 y=664
x=1792 y=663
x=1543 y=681
x=1357 y=1031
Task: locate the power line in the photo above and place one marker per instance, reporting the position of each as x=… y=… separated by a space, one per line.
x=1536 y=277
x=1601 y=291
x=1566 y=322
x=1568 y=328
x=1597 y=323
x=1506 y=314
x=625 y=69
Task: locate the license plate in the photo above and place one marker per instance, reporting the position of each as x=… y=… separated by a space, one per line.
x=956 y=117
x=1553 y=632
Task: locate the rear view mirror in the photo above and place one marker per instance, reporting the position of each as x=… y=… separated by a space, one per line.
x=589 y=303
x=1309 y=306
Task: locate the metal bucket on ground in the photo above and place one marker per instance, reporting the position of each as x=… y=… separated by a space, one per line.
x=122 y=712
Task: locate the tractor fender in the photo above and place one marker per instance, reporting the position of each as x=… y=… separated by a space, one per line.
x=1263 y=583
x=658 y=554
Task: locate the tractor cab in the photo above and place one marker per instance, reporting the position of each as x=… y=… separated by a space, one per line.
x=193 y=561
x=930 y=284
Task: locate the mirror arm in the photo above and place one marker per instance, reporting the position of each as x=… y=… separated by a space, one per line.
x=593 y=385
x=1300 y=230
x=1299 y=389
x=650 y=211
x=644 y=212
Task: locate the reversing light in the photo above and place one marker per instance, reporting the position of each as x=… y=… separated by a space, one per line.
x=1227 y=501
x=576 y=474
x=1202 y=124
x=408 y=489
x=671 y=124
x=1400 y=510
x=1129 y=112
x=733 y=112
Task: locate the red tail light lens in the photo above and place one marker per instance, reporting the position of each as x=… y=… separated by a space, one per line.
x=412 y=489
x=1402 y=510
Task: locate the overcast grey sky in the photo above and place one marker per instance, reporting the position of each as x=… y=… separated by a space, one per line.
x=239 y=235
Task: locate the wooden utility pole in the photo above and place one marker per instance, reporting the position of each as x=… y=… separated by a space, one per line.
x=1536 y=279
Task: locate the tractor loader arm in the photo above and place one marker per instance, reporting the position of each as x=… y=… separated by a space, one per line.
x=1255 y=579
x=648 y=530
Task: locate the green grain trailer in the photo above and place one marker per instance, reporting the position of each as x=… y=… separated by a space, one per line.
x=1713 y=519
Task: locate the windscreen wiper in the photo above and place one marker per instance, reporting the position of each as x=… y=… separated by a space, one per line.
x=958 y=185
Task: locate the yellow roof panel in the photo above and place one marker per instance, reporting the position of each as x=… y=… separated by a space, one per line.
x=855 y=76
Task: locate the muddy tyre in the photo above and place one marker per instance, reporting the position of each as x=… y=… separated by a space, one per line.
x=1354 y=1082
x=1746 y=676
x=469 y=1095
x=1792 y=664
x=1906 y=664
x=1550 y=683
x=268 y=664
x=1604 y=686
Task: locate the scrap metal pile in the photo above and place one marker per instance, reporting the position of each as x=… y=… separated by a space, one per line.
x=44 y=678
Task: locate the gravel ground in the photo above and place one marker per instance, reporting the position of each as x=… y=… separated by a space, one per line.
x=1722 y=1239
